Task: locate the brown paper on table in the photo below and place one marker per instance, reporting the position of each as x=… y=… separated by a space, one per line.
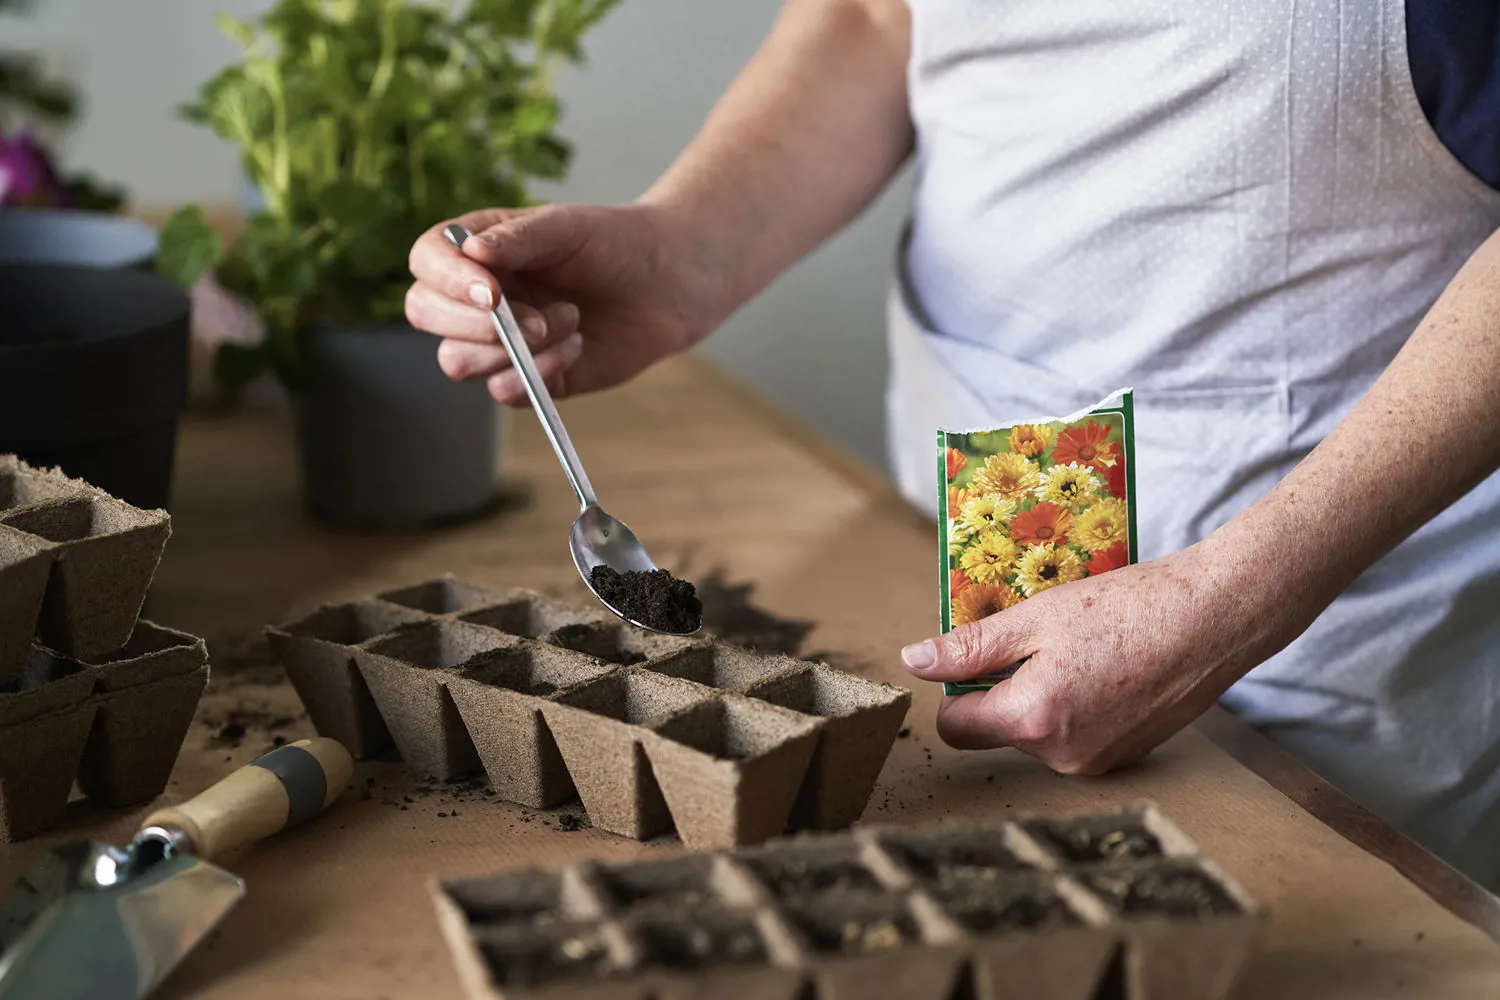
x=339 y=909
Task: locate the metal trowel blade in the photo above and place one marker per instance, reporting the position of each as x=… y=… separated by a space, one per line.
x=94 y=921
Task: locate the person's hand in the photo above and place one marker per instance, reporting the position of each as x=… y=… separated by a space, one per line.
x=600 y=294
x=1114 y=664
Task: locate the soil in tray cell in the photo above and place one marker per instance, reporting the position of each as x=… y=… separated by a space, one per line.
x=791 y=875
x=673 y=886
x=530 y=898
x=724 y=939
x=985 y=909
x=523 y=960
x=1098 y=838
x=955 y=863
x=855 y=931
x=1175 y=891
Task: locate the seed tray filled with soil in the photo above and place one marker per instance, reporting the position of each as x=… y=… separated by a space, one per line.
x=102 y=555
x=864 y=946
x=581 y=959
x=949 y=859
x=672 y=886
x=861 y=720
x=315 y=652
x=1137 y=833
x=1188 y=928
x=829 y=917
x=807 y=867
x=527 y=897
x=1033 y=935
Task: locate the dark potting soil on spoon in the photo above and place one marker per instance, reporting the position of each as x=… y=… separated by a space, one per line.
x=656 y=598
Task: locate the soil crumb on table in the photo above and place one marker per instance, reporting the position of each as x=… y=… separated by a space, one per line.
x=656 y=598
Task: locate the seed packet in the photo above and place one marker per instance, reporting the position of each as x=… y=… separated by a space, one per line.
x=1031 y=506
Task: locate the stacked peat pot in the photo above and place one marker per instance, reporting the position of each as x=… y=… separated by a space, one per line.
x=1116 y=905
x=88 y=690
x=652 y=732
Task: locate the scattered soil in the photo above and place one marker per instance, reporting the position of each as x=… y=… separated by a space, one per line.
x=1083 y=841
x=568 y=823
x=245 y=717
x=729 y=614
x=905 y=733
x=1182 y=893
x=700 y=944
x=527 y=963
x=791 y=877
x=656 y=599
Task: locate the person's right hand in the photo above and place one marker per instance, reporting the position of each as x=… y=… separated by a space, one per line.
x=600 y=294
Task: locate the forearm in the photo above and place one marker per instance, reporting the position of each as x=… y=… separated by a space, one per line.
x=800 y=144
x=1425 y=434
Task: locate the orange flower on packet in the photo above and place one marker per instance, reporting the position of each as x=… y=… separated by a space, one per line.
x=1031 y=506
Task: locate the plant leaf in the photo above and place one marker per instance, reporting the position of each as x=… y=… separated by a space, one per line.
x=187 y=246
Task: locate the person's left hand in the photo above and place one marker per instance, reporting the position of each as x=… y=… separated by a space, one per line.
x=1115 y=664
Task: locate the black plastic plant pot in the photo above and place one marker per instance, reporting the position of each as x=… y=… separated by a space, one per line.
x=94 y=374
x=87 y=239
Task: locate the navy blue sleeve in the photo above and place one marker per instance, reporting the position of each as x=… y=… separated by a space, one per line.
x=1454 y=49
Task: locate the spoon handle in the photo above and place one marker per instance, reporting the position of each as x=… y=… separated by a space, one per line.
x=536 y=389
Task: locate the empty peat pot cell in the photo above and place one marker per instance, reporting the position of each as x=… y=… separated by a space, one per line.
x=615 y=642
x=529 y=897
x=356 y=622
x=21 y=485
x=800 y=870
x=439 y=597
x=854 y=925
x=1016 y=903
x=822 y=691
x=542 y=673
x=637 y=698
x=528 y=615
x=699 y=940
x=75 y=519
x=728 y=668
x=1113 y=837
x=954 y=858
x=1179 y=890
x=733 y=728
x=441 y=645
x=672 y=886
x=531 y=957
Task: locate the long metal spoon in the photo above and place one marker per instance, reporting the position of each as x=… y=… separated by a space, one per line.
x=596 y=539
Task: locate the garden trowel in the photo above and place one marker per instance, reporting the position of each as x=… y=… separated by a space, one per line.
x=93 y=921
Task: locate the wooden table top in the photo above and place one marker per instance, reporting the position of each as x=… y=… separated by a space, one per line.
x=715 y=482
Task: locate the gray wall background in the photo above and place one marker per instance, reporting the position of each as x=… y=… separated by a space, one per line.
x=813 y=343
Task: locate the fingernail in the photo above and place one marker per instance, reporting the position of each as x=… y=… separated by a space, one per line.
x=534 y=329
x=488 y=239
x=481 y=297
x=920 y=656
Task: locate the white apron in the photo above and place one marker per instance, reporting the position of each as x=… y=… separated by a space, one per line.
x=1241 y=210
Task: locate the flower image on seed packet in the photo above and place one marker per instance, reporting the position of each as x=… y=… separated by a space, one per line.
x=1030 y=506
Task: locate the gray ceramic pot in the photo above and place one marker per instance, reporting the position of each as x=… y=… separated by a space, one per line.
x=86 y=239
x=387 y=441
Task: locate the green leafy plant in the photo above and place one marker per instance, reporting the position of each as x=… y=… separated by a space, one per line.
x=362 y=123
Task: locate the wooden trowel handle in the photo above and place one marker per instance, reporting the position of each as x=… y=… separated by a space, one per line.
x=281 y=789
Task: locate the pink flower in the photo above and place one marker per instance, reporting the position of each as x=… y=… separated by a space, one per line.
x=26 y=174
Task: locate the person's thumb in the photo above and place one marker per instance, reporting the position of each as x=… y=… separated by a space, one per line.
x=972 y=651
x=530 y=240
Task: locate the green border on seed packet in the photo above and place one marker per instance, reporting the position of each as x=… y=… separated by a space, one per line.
x=1126 y=409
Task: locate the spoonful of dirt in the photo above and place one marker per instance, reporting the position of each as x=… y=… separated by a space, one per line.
x=609 y=557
